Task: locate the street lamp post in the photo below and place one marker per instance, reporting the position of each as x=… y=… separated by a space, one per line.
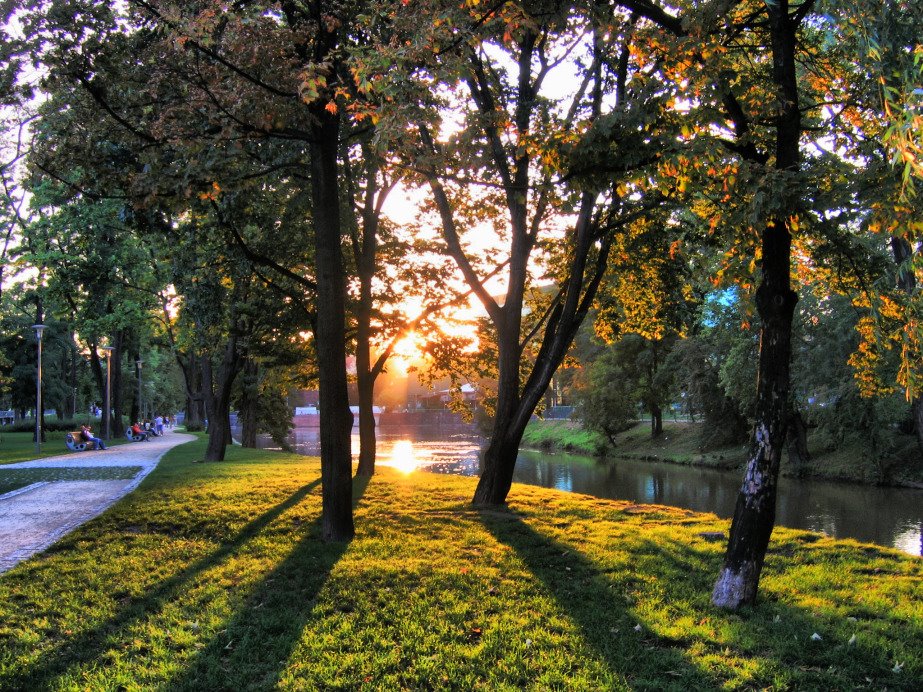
x=38 y=329
x=139 y=362
x=107 y=428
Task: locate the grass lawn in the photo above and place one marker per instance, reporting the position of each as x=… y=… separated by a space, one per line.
x=212 y=576
x=20 y=446
x=12 y=479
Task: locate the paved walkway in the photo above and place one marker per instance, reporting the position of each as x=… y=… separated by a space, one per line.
x=34 y=517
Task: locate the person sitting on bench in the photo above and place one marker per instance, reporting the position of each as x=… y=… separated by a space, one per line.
x=87 y=434
x=138 y=430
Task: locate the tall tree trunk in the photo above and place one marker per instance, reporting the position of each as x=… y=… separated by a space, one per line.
x=364 y=370
x=365 y=251
x=499 y=459
x=208 y=389
x=368 y=444
x=515 y=410
x=118 y=400
x=219 y=425
x=135 y=411
x=72 y=379
x=755 y=512
x=656 y=420
x=98 y=374
x=249 y=403
x=335 y=417
x=192 y=377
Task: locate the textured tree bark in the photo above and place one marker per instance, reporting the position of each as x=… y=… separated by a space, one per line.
x=499 y=459
x=497 y=468
x=755 y=511
x=118 y=425
x=368 y=444
x=248 y=404
x=208 y=390
x=135 y=411
x=364 y=374
x=195 y=400
x=514 y=409
x=335 y=417
x=219 y=425
x=656 y=420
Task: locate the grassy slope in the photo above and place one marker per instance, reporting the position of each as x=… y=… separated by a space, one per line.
x=212 y=576
x=680 y=444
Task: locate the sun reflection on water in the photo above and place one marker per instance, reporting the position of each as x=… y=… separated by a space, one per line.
x=910 y=541
x=402 y=457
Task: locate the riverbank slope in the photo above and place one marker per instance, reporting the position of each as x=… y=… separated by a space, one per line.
x=680 y=444
x=213 y=576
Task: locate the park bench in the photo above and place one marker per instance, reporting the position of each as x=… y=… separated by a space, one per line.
x=76 y=443
x=131 y=436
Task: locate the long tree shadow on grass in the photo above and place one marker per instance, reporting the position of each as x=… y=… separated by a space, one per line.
x=256 y=644
x=89 y=645
x=594 y=603
x=783 y=634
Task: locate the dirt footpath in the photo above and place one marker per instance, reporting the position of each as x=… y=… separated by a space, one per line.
x=34 y=517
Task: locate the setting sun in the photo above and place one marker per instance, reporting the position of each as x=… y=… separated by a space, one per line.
x=407 y=353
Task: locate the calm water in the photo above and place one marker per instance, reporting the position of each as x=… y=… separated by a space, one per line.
x=886 y=516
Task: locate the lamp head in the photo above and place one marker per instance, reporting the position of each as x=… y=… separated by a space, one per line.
x=38 y=329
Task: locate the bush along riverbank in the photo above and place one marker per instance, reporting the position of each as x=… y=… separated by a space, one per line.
x=680 y=444
x=213 y=576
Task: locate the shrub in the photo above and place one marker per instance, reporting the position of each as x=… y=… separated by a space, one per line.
x=51 y=425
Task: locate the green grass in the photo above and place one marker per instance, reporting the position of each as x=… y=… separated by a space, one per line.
x=213 y=576
x=563 y=435
x=20 y=446
x=12 y=479
x=679 y=444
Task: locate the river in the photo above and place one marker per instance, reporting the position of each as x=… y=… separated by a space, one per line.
x=886 y=516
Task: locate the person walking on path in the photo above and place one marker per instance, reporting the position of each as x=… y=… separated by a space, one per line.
x=34 y=517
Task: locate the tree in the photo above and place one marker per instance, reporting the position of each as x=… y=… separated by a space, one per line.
x=645 y=305
x=394 y=274
x=749 y=96
x=495 y=169
x=195 y=97
x=888 y=124
x=606 y=400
